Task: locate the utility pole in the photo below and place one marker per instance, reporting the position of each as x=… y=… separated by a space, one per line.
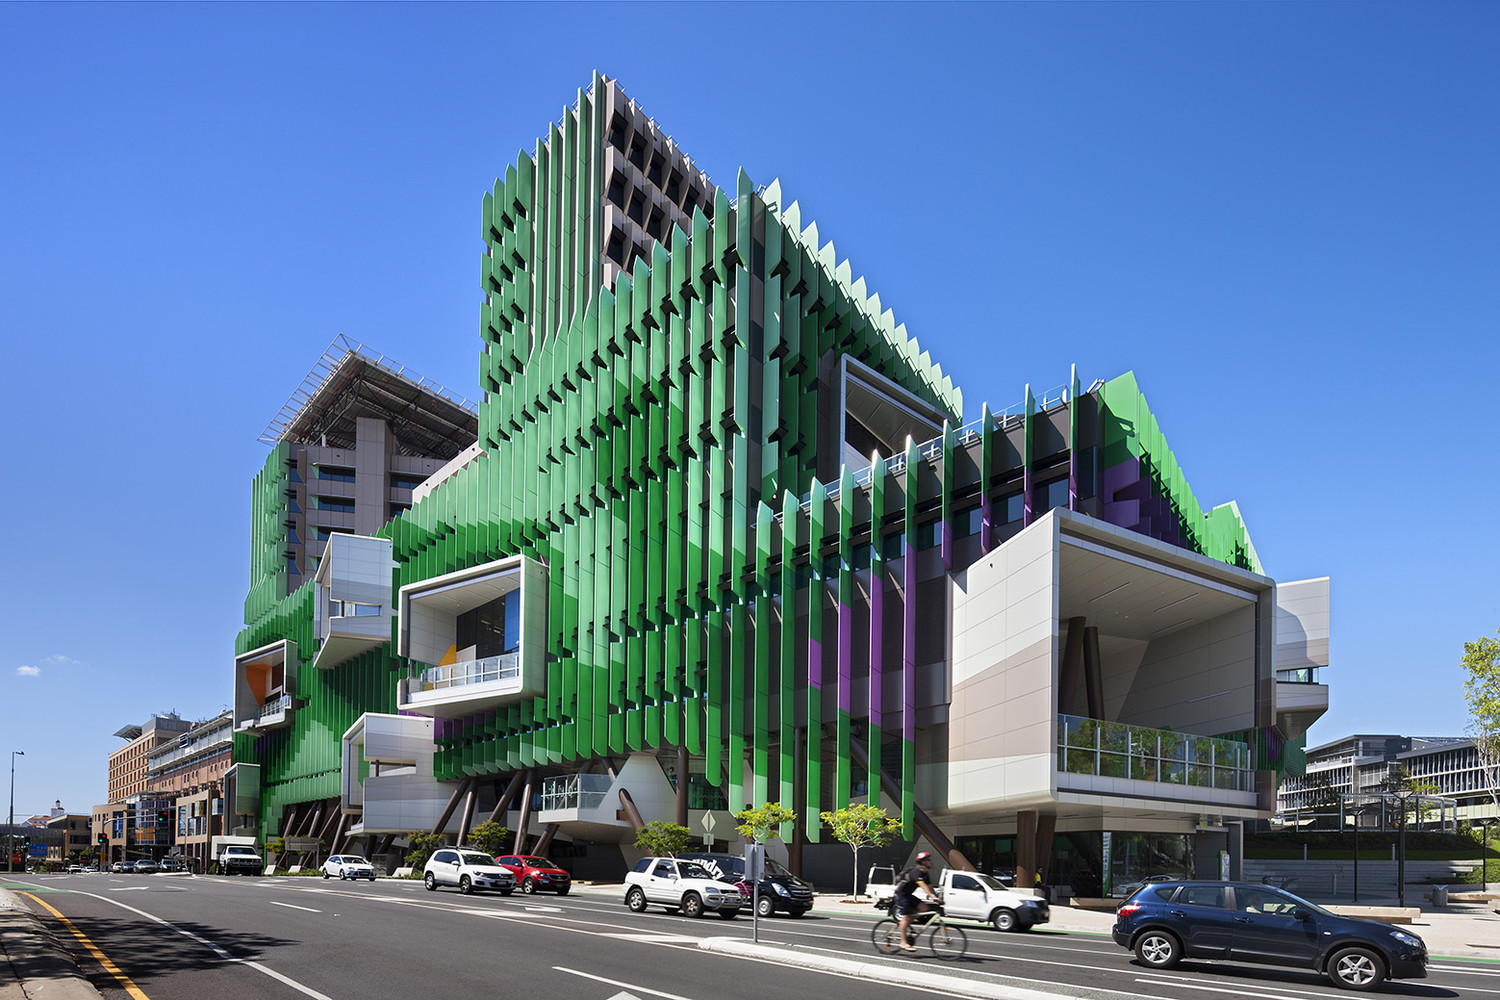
x=10 y=827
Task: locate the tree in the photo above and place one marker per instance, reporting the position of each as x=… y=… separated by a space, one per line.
x=1481 y=661
x=860 y=826
x=275 y=847
x=763 y=823
x=489 y=837
x=420 y=848
x=659 y=837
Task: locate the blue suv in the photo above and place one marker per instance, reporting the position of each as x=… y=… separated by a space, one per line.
x=1165 y=922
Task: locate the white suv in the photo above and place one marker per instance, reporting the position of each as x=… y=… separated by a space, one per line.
x=680 y=885
x=348 y=866
x=467 y=869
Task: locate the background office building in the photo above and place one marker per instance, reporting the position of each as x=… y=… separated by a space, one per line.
x=724 y=537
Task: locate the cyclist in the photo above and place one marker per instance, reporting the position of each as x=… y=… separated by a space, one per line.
x=907 y=905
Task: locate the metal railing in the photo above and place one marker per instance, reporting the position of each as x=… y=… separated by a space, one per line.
x=276 y=706
x=1298 y=675
x=574 y=791
x=211 y=744
x=506 y=666
x=1118 y=750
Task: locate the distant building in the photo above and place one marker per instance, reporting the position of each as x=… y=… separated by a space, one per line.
x=1365 y=764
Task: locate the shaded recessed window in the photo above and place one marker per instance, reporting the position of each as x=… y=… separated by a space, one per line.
x=406 y=480
x=1014 y=508
x=342 y=505
x=335 y=474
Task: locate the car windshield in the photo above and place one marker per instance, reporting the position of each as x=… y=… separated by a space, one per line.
x=691 y=869
x=775 y=870
x=355 y=861
x=1311 y=906
x=475 y=858
x=990 y=882
x=538 y=863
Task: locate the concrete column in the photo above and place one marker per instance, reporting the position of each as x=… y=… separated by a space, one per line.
x=1092 y=673
x=1026 y=860
x=682 y=785
x=1072 y=667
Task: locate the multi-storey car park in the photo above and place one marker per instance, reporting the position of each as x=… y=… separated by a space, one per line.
x=720 y=535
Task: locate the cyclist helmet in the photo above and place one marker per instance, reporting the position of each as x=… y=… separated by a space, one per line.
x=923 y=858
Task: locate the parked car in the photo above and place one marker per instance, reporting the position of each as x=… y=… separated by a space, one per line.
x=145 y=866
x=122 y=867
x=467 y=869
x=75 y=869
x=91 y=869
x=347 y=866
x=779 y=889
x=169 y=865
x=534 y=874
x=680 y=885
x=1165 y=922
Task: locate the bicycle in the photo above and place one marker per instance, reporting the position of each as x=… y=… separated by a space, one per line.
x=946 y=941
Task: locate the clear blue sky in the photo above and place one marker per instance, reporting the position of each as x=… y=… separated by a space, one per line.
x=1283 y=217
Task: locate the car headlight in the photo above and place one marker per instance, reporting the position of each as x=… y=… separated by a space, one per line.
x=1407 y=939
x=780 y=889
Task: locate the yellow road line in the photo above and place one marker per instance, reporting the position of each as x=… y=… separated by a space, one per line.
x=110 y=967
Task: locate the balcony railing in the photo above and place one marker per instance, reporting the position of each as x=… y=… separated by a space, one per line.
x=276 y=706
x=506 y=666
x=1298 y=675
x=211 y=744
x=1117 y=750
x=574 y=791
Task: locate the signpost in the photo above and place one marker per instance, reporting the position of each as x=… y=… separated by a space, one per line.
x=708 y=830
x=755 y=870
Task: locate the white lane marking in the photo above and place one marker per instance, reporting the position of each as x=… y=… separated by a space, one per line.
x=128 y=888
x=544 y=909
x=1464 y=972
x=1197 y=985
x=616 y=982
x=307 y=990
x=293 y=906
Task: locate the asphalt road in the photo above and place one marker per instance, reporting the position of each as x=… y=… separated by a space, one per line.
x=284 y=938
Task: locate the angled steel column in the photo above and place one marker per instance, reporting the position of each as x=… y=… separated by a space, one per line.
x=503 y=802
x=463 y=786
x=525 y=813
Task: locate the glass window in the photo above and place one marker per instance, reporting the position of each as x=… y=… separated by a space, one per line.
x=335 y=474
x=663 y=870
x=964 y=882
x=1015 y=508
x=406 y=481
x=1262 y=901
x=1053 y=494
x=343 y=505
x=927 y=535
x=641 y=865
x=1203 y=895
x=968 y=522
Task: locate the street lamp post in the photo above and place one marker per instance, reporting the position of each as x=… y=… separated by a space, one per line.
x=10 y=826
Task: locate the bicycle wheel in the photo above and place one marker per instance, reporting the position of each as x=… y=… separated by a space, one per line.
x=886 y=936
x=948 y=942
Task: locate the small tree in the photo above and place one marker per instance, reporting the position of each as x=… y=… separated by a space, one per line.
x=861 y=825
x=763 y=823
x=1481 y=661
x=489 y=837
x=275 y=846
x=659 y=837
x=421 y=846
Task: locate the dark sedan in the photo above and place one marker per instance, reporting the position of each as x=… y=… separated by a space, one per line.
x=1166 y=922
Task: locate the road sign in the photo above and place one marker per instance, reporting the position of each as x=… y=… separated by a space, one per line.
x=708 y=827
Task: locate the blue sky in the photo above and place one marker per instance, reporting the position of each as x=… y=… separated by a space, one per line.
x=1282 y=217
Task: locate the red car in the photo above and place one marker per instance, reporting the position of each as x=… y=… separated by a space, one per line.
x=534 y=874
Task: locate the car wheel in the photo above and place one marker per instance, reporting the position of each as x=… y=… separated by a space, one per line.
x=528 y=886
x=1003 y=919
x=1158 y=949
x=429 y=881
x=343 y=876
x=325 y=873
x=692 y=905
x=466 y=885
x=728 y=914
x=562 y=892
x=635 y=900
x=1356 y=969
x=764 y=907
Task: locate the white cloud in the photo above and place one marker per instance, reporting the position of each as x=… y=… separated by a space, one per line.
x=58 y=660
x=28 y=671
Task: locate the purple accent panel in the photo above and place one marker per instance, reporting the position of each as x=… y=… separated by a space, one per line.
x=1124 y=514
x=877 y=626
x=986 y=535
x=947 y=543
x=440 y=729
x=1117 y=477
x=1072 y=478
x=815 y=664
x=1026 y=495
x=909 y=645
x=845 y=654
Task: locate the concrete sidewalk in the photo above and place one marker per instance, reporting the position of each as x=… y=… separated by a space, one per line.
x=34 y=964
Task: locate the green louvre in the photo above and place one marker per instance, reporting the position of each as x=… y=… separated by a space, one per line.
x=635 y=439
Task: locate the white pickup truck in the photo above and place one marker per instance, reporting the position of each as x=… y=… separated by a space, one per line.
x=970 y=896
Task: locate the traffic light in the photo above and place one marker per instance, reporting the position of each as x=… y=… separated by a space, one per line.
x=103 y=840
x=163 y=817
